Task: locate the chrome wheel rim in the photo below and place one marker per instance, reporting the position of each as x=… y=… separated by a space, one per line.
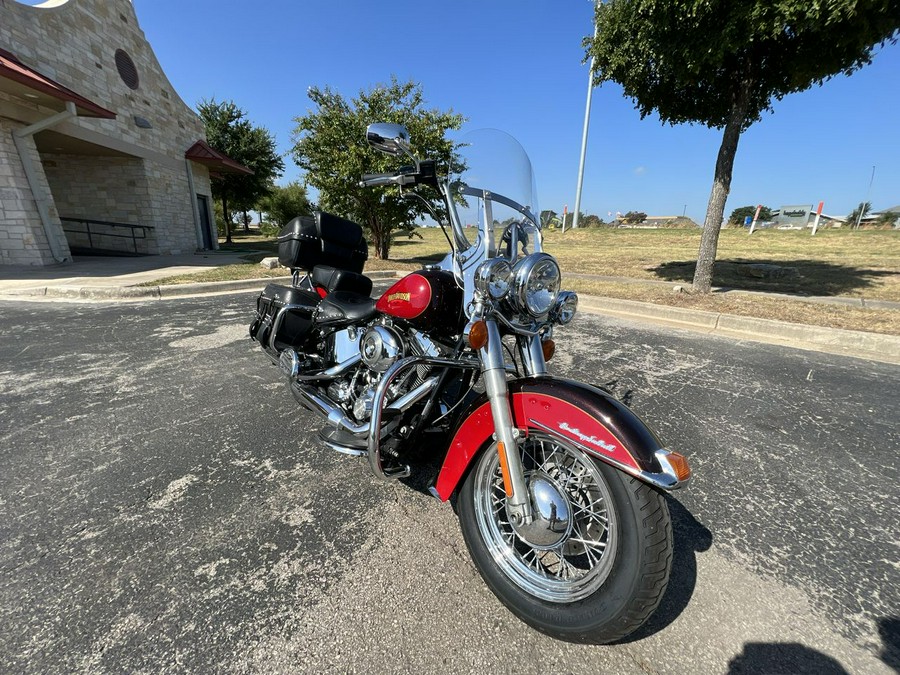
x=580 y=562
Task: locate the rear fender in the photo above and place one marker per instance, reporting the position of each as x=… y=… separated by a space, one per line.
x=585 y=416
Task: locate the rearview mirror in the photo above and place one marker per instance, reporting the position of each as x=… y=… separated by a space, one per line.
x=390 y=138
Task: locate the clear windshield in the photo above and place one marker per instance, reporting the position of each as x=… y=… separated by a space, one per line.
x=497 y=183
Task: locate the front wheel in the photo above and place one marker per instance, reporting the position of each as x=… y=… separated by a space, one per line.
x=594 y=567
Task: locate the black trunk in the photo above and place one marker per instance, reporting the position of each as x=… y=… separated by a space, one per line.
x=227 y=219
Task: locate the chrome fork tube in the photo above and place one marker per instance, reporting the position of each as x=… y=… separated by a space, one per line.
x=494 y=369
x=532 y=354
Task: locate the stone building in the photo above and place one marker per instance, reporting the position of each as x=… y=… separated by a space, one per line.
x=97 y=150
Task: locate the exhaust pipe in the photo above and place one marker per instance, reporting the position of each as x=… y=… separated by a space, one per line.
x=323 y=406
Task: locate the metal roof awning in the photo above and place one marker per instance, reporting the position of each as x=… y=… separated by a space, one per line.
x=202 y=153
x=19 y=80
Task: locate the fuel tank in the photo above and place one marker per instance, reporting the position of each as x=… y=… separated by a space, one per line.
x=428 y=300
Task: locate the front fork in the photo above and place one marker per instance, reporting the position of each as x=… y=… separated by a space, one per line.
x=506 y=434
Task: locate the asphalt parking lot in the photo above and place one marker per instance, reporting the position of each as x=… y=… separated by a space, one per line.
x=164 y=508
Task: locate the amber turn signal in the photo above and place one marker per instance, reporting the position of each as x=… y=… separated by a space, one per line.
x=549 y=349
x=680 y=465
x=504 y=469
x=478 y=335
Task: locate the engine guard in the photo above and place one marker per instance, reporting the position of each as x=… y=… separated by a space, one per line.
x=585 y=416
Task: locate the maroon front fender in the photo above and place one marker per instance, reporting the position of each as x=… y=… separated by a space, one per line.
x=586 y=416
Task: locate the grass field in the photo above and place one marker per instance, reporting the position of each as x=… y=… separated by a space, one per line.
x=861 y=264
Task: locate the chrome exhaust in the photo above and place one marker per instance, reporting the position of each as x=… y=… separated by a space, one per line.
x=323 y=406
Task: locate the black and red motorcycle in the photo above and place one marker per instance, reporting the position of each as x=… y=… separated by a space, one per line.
x=558 y=485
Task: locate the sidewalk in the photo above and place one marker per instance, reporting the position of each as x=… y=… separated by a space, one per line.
x=107 y=278
x=107 y=271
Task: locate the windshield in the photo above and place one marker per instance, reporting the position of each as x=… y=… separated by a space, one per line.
x=497 y=183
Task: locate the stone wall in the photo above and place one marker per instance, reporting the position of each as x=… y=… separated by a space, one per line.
x=22 y=237
x=142 y=179
x=76 y=42
x=175 y=228
x=114 y=189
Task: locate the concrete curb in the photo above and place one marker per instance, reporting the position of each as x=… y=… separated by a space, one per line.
x=161 y=291
x=872 y=346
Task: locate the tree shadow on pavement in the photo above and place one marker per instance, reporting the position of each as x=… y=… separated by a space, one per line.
x=690 y=536
x=889 y=629
x=783 y=658
x=798 y=277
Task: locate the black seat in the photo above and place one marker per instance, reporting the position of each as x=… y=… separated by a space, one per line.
x=333 y=279
x=343 y=307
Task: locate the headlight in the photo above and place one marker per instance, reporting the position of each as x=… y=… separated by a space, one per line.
x=494 y=277
x=536 y=283
x=565 y=308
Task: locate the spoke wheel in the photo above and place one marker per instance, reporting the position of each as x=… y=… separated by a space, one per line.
x=573 y=567
x=594 y=564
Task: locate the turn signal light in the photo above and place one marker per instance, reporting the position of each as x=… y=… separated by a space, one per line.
x=504 y=469
x=478 y=335
x=549 y=349
x=680 y=465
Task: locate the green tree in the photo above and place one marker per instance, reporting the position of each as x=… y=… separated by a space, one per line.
x=230 y=132
x=739 y=214
x=568 y=220
x=634 y=217
x=283 y=204
x=722 y=62
x=592 y=221
x=888 y=219
x=330 y=146
x=857 y=214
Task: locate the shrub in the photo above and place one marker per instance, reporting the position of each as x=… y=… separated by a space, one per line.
x=269 y=229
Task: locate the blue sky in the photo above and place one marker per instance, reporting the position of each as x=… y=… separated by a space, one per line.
x=517 y=65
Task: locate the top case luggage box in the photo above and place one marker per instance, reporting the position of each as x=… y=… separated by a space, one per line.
x=322 y=239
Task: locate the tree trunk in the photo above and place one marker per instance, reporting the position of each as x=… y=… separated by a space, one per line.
x=246 y=222
x=715 y=208
x=227 y=219
x=381 y=239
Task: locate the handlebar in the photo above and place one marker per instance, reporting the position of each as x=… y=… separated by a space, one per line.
x=375 y=179
x=423 y=173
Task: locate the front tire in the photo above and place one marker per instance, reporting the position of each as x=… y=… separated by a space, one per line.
x=605 y=574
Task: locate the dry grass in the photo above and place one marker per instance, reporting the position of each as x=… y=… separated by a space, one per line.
x=857 y=264
x=862 y=264
x=795 y=311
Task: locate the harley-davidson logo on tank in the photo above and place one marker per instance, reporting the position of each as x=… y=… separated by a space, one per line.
x=406 y=299
x=430 y=300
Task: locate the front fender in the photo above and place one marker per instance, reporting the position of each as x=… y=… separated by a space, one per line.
x=585 y=416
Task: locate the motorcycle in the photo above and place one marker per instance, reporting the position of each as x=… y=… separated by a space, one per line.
x=558 y=486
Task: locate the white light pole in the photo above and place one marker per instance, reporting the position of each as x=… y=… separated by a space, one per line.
x=584 y=135
x=868 y=192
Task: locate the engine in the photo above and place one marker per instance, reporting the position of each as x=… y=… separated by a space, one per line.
x=379 y=346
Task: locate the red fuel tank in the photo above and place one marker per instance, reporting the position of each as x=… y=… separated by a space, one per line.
x=430 y=300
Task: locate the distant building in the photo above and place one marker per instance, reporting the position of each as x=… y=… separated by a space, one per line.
x=799 y=217
x=894 y=211
x=97 y=150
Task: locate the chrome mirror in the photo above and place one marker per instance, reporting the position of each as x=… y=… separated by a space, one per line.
x=390 y=138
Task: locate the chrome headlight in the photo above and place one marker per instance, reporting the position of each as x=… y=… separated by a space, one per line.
x=494 y=278
x=536 y=283
x=565 y=307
